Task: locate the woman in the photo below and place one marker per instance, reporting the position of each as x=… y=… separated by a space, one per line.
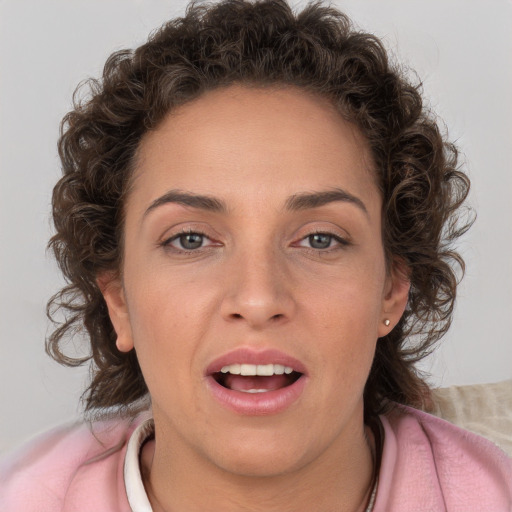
x=255 y=220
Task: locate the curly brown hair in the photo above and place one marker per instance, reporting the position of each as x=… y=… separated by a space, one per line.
x=258 y=44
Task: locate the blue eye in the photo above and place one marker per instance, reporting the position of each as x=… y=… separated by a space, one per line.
x=187 y=241
x=320 y=240
x=323 y=241
x=191 y=241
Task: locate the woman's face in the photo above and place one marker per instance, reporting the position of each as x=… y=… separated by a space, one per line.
x=253 y=244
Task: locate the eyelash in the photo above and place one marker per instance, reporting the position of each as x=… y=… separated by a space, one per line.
x=167 y=243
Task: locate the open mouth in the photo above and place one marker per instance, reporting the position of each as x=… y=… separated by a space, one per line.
x=253 y=382
x=256 y=378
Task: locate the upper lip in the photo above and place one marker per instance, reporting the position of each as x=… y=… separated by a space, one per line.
x=254 y=356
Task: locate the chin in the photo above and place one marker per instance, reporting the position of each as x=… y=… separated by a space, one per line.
x=256 y=465
x=260 y=456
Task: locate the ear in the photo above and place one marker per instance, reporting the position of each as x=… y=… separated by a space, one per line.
x=113 y=292
x=396 y=294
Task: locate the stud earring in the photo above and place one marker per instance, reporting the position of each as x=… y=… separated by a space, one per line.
x=387 y=322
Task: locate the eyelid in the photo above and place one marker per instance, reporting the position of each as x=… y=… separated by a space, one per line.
x=184 y=228
x=323 y=227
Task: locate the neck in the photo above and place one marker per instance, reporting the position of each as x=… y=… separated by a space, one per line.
x=341 y=479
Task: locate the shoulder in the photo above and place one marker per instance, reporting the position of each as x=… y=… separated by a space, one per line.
x=58 y=469
x=430 y=461
x=485 y=409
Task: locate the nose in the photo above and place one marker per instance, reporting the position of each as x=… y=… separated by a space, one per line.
x=258 y=290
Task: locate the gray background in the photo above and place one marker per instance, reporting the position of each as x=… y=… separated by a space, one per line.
x=462 y=50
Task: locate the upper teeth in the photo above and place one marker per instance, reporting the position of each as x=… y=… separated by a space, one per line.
x=256 y=369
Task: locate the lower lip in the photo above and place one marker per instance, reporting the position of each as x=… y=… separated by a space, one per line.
x=257 y=404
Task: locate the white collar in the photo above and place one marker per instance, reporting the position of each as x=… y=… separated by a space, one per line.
x=137 y=497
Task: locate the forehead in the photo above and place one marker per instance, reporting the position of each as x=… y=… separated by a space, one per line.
x=256 y=140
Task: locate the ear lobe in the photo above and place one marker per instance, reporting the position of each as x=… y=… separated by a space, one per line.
x=396 y=296
x=114 y=295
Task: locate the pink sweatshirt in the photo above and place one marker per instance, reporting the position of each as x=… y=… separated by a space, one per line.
x=428 y=465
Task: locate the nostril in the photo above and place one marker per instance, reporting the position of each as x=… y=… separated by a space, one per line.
x=256 y=317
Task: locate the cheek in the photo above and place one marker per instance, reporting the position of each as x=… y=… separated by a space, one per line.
x=164 y=339
x=348 y=329
x=344 y=315
x=343 y=344
x=349 y=297
x=170 y=314
x=161 y=298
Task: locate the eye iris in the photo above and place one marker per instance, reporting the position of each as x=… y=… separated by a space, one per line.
x=191 y=241
x=320 y=240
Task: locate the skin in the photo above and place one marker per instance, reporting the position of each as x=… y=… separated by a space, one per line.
x=257 y=282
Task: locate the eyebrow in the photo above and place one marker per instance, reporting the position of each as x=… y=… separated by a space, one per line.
x=297 y=202
x=201 y=202
x=307 y=201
